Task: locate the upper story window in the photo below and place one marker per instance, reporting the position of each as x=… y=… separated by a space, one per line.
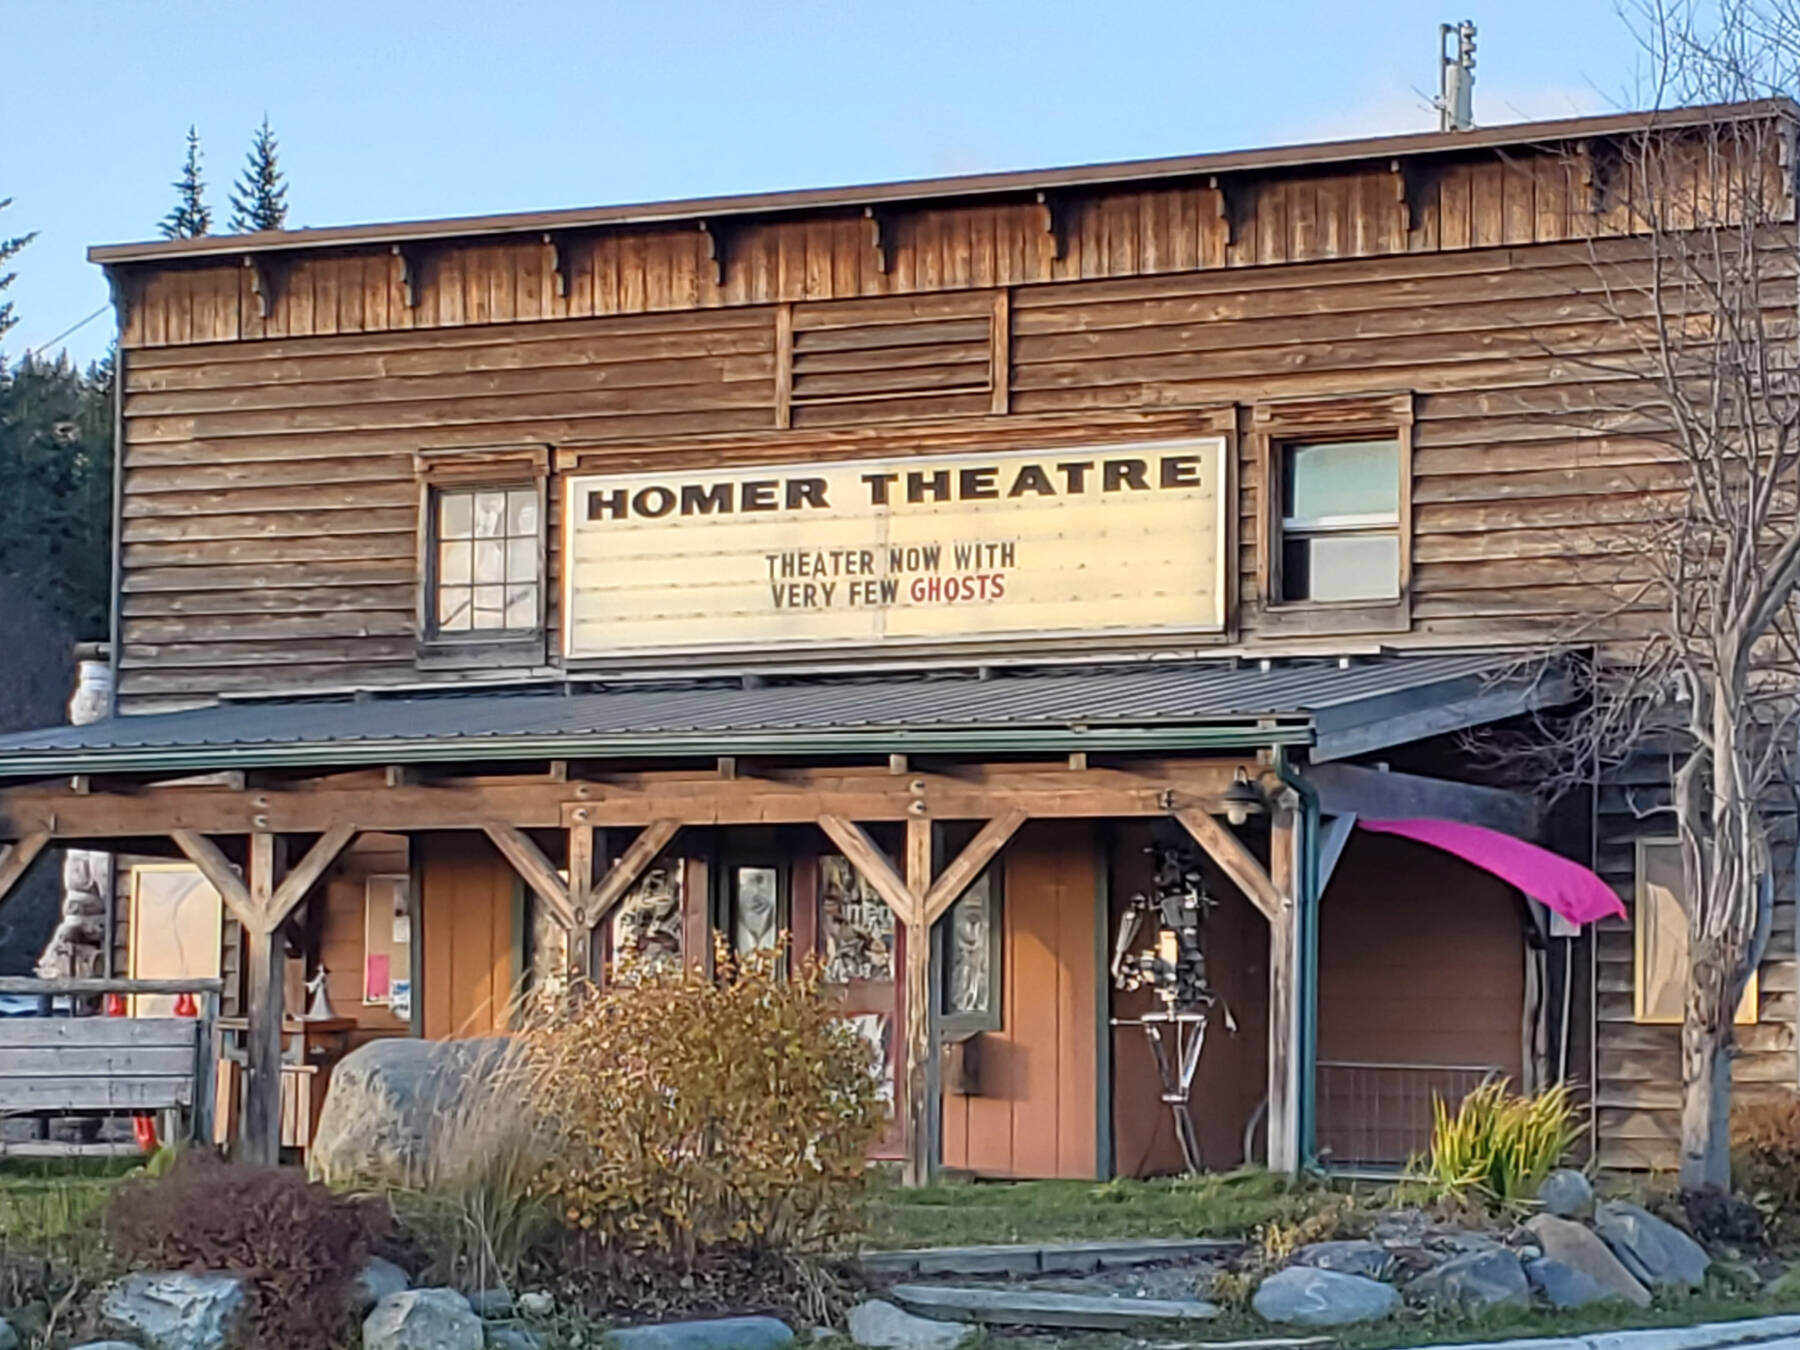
x=488 y=564
x=483 y=556
x=1340 y=529
x=1660 y=929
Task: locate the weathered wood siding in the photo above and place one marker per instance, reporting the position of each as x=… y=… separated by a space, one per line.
x=1637 y=1068
x=270 y=511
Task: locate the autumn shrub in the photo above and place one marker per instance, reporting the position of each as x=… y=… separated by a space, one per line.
x=299 y=1245
x=1497 y=1146
x=1765 y=1157
x=692 y=1120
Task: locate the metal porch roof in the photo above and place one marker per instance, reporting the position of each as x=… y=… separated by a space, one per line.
x=1339 y=708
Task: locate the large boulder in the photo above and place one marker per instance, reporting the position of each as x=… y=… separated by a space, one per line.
x=1567 y=1194
x=1657 y=1252
x=878 y=1323
x=1563 y=1286
x=172 y=1310
x=1349 y=1256
x=1474 y=1282
x=1567 y=1242
x=1307 y=1296
x=392 y=1105
x=423 y=1319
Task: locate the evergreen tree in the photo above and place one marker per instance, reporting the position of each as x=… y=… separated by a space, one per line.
x=9 y=248
x=259 y=200
x=191 y=216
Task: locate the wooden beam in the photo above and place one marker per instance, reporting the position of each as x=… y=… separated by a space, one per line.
x=219 y=871
x=305 y=875
x=18 y=859
x=581 y=899
x=961 y=873
x=1286 y=949
x=535 y=869
x=630 y=865
x=918 y=1006
x=854 y=843
x=1236 y=861
x=1380 y=795
x=773 y=797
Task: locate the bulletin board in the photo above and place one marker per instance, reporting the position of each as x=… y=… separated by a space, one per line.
x=387 y=943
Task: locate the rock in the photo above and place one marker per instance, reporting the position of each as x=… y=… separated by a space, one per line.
x=423 y=1319
x=1351 y=1257
x=170 y=1310
x=374 y=1282
x=1474 y=1282
x=9 y=1339
x=106 y=1345
x=390 y=1103
x=1563 y=1286
x=722 y=1333
x=876 y=1322
x=495 y=1305
x=1657 y=1252
x=1566 y=1241
x=1314 y=1297
x=536 y=1303
x=512 y=1336
x=1567 y=1194
x=30 y=1320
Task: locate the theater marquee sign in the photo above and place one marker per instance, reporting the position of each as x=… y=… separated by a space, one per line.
x=883 y=553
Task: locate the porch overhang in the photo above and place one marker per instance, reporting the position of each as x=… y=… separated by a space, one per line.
x=1335 y=708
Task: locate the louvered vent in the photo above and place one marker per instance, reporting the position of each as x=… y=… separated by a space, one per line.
x=931 y=356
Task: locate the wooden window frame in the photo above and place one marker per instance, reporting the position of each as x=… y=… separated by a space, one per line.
x=505 y=467
x=1315 y=421
x=1749 y=1006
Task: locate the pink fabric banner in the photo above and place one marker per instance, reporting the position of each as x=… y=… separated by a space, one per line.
x=1570 y=889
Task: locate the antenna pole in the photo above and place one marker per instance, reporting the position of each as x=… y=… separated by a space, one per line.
x=1456 y=76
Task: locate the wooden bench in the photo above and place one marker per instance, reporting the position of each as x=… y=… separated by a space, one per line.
x=54 y=1066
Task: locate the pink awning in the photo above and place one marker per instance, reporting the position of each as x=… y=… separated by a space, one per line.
x=1570 y=889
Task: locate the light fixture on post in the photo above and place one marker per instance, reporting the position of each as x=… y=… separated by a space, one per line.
x=1243 y=799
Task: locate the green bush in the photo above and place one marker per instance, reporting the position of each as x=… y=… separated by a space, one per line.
x=1498 y=1146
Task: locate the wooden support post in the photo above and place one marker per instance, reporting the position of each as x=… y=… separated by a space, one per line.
x=1286 y=949
x=259 y=1136
x=581 y=901
x=918 y=1004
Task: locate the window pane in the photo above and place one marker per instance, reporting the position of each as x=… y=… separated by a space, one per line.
x=522 y=511
x=490 y=561
x=646 y=927
x=856 y=923
x=455 y=515
x=521 y=607
x=968 y=949
x=1344 y=478
x=521 y=559
x=1662 y=939
x=490 y=606
x=755 y=910
x=454 y=564
x=490 y=514
x=1340 y=567
x=453 y=609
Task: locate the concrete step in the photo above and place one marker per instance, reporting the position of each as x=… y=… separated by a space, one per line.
x=1032 y=1308
x=1046 y=1258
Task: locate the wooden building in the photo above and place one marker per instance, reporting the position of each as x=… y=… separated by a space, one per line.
x=894 y=566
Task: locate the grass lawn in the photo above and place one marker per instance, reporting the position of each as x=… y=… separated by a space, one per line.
x=44 y=1203
x=949 y=1214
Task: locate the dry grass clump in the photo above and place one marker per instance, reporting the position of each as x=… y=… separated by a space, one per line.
x=703 y=1132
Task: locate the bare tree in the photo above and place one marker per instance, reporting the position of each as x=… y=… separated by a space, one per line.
x=1697 y=652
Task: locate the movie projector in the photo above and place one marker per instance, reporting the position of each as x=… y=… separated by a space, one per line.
x=1173 y=968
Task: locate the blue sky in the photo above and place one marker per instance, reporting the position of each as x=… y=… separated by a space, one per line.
x=392 y=109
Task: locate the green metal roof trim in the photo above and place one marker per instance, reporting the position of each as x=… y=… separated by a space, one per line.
x=1143 y=707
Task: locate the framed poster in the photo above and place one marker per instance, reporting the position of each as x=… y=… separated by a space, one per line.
x=177 y=930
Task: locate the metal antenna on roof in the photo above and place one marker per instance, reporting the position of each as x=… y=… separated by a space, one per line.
x=1456 y=77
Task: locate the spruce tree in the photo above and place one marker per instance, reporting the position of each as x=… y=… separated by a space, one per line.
x=259 y=200
x=9 y=248
x=191 y=216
